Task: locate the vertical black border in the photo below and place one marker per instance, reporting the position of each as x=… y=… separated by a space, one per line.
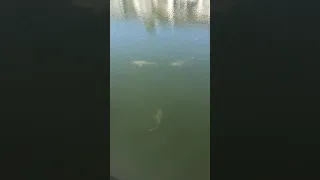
x=54 y=91
x=264 y=96
x=215 y=98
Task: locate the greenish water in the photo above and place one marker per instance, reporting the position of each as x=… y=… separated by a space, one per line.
x=180 y=147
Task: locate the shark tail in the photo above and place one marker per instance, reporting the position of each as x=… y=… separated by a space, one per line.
x=154 y=128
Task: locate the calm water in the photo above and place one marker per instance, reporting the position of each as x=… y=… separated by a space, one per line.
x=161 y=32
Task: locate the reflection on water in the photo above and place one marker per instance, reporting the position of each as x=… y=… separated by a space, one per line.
x=160 y=89
x=165 y=12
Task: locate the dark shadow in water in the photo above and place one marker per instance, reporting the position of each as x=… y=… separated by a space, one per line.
x=54 y=89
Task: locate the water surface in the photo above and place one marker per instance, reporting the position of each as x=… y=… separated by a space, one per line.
x=162 y=32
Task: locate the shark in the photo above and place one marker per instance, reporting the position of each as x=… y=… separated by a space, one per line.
x=143 y=63
x=177 y=63
x=180 y=63
x=157 y=118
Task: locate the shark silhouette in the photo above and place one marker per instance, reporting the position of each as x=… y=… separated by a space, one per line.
x=181 y=62
x=158 y=118
x=143 y=63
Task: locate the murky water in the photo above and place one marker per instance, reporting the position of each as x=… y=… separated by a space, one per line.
x=160 y=60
